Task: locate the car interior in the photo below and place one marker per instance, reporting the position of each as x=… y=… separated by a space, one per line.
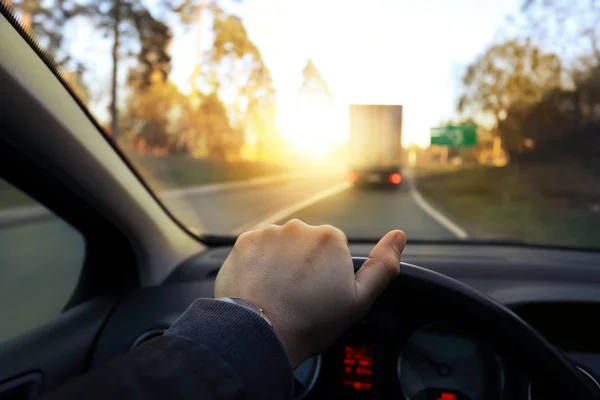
x=519 y=321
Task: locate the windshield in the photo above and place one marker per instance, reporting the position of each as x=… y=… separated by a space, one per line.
x=450 y=120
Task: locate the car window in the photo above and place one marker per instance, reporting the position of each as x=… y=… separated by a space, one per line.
x=450 y=120
x=41 y=257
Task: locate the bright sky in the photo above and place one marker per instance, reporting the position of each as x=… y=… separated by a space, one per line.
x=409 y=52
x=376 y=51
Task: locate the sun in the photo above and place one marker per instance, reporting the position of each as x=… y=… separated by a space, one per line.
x=313 y=132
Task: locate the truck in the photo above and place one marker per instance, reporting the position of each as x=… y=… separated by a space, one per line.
x=375 y=145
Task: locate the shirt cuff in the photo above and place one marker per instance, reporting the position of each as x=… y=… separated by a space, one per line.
x=244 y=340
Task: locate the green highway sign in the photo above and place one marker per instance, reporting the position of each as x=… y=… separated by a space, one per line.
x=454 y=136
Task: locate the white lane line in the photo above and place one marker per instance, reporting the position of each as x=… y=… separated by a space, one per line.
x=241 y=184
x=27 y=212
x=436 y=215
x=287 y=211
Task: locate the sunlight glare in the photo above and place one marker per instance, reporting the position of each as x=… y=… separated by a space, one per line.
x=313 y=131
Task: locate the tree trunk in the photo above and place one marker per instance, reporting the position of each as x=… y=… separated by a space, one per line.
x=594 y=45
x=114 y=112
x=190 y=135
x=198 y=65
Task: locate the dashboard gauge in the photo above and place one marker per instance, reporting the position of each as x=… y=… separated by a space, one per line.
x=305 y=376
x=441 y=362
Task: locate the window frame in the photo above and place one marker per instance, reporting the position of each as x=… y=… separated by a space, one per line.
x=103 y=272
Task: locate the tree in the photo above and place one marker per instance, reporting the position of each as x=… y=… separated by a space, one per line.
x=191 y=12
x=46 y=20
x=238 y=68
x=506 y=73
x=154 y=110
x=78 y=86
x=262 y=131
x=135 y=31
x=213 y=124
x=313 y=83
x=194 y=12
x=505 y=81
x=234 y=70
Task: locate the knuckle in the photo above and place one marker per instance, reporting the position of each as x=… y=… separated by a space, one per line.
x=332 y=234
x=271 y=228
x=295 y=224
x=245 y=238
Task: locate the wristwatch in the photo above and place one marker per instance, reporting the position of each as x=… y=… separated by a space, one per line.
x=247 y=304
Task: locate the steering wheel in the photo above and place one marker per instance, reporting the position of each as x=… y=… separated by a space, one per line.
x=415 y=283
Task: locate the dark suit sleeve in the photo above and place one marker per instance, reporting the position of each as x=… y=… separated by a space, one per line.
x=215 y=350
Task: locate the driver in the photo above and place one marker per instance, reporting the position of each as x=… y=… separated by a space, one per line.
x=285 y=293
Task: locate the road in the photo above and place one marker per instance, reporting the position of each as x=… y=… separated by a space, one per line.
x=370 y=213
x=363 y=213
x=40 y=258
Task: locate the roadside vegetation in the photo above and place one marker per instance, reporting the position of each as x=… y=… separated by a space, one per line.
x=221 y=128
x=542 y=203
x=171 y=172
x=540 y=94
x=181 y=171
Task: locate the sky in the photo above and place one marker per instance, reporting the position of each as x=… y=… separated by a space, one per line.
x=408 y=52
x=378 y=51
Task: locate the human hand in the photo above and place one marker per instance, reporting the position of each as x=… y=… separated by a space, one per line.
x=302 y=277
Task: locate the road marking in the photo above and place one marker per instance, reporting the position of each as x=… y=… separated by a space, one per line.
x=287 y=211
x=435 y=214
x=23 y=213
x=241 y=184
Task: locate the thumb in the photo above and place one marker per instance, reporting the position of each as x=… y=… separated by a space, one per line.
x=380 y=269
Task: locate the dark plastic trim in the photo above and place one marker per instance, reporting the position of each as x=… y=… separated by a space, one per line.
x=26 y=387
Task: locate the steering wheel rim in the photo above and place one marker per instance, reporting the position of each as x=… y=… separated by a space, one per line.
x=505 y=323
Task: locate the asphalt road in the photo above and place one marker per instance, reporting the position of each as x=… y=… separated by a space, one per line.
x=236 y=210
x=40 y=258
x=370 y=213
x=359 y=212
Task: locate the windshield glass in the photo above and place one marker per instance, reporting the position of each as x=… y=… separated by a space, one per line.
x=447 y=119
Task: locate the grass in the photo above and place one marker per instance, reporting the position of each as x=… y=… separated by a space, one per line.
x=180 y=171
x=548 y=204
x=170 y=172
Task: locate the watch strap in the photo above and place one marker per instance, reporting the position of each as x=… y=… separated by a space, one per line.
x=247 y=304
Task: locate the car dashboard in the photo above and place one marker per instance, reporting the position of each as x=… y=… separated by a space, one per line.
x=414 y=351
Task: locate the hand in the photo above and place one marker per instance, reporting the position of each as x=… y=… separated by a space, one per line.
x=303 y=278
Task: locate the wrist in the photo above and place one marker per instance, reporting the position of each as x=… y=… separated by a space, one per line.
x=292 y=347
x=246 y=304
x=247 y=343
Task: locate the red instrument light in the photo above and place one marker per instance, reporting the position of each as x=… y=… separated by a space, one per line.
x=358 y=367
x=352 y=177
x=446 y=396
x=362 y=386
x=395 y=178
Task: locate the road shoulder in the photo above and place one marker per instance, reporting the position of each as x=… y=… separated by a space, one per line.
x=433 y=212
